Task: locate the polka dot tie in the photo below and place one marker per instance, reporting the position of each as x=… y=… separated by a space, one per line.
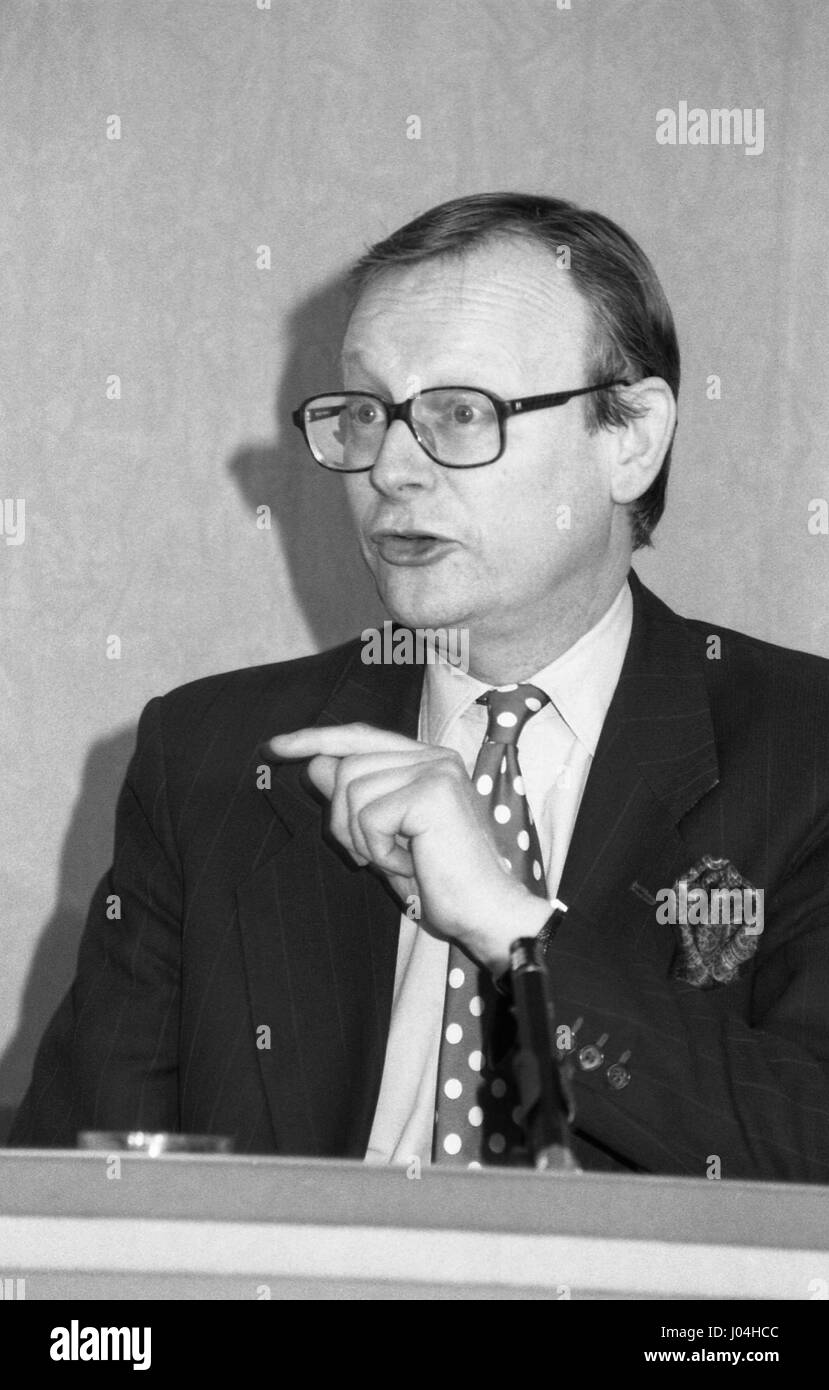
x=476 y=1113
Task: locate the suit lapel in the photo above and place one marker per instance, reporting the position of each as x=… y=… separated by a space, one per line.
x=319 y=938
x=655 y=759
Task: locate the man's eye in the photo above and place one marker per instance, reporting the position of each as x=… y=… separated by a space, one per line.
x=364 y=413
x=464 y=412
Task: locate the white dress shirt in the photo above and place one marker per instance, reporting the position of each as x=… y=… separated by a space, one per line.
x=556 y=749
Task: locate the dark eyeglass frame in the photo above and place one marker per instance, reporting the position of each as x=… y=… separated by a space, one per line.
x=402 y=410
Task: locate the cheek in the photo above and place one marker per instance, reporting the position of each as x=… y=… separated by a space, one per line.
x=547 y=504
x=568 y=478
x=523 y=498
x=358 y=496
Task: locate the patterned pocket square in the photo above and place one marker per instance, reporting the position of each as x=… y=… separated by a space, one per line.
x=713 y=952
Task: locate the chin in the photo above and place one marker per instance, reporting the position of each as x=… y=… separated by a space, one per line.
x=425 y=610
x=422 y=616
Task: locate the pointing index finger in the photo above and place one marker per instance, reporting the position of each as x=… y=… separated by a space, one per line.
x=339 y=741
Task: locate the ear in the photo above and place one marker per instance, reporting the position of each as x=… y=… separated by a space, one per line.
x=637 y=449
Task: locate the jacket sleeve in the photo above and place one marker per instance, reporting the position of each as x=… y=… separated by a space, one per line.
x=728 y=1082
x=109 y=1058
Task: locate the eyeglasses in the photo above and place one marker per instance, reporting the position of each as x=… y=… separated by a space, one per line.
x=457 y=426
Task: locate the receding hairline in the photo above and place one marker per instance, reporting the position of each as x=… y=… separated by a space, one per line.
x=361 y=281
x=362 y=276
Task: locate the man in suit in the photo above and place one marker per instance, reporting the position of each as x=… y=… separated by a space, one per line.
x=278 y=948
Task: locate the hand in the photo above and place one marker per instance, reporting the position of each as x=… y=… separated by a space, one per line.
x=409 y=809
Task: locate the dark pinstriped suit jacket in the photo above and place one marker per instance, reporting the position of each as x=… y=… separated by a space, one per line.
x=237 y=915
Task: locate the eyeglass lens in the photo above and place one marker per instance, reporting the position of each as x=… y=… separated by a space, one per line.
x=457 y=426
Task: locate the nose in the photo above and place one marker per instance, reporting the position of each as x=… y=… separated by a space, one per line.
x=401 y=464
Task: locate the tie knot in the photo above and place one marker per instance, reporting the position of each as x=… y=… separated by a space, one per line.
x=509 y=707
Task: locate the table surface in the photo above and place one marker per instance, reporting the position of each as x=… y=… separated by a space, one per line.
x=95 y=1224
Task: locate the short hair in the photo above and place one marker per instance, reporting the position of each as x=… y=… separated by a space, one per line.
x=633 y=334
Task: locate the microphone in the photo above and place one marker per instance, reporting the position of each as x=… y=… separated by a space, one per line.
x=547 y=1108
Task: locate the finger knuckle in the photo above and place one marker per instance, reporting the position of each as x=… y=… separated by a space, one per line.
x=367 y=817
x=451 y=769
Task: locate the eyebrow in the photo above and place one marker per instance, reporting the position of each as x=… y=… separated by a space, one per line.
x=356 y=361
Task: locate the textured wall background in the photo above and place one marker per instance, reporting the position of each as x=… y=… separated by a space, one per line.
x=287 y=127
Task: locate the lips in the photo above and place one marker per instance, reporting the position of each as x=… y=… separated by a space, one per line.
x=410 y=547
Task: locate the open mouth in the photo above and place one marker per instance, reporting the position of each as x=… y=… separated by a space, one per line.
x=410 y=547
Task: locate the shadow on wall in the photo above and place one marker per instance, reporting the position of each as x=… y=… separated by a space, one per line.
x=85 y=856
x=311 y=523
x=309 y=512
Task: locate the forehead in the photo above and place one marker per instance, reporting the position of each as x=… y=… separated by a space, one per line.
x=505 y=302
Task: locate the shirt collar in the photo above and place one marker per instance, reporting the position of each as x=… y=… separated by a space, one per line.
x=580 y=682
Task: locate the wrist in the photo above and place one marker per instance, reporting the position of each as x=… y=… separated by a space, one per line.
x=524 y=914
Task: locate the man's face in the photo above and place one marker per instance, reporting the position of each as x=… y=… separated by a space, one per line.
x=485 y=548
